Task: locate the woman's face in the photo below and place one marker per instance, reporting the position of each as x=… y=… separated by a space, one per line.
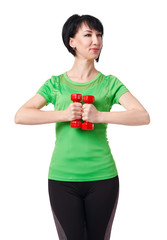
x=87 y=42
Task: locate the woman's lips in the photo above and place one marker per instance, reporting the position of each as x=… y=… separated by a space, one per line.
x=94 y=49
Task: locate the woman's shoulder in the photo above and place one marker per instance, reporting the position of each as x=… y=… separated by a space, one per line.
x=110 y=77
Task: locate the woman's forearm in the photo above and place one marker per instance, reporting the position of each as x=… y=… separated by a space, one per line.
x=32 y=116
x=130 y=117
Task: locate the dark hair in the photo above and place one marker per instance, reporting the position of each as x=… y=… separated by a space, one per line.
x=72 y=25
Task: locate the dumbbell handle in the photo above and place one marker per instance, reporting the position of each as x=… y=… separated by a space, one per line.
x=76 y=97
x=88 y=99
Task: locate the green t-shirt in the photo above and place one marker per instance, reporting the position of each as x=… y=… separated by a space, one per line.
x=82 y=155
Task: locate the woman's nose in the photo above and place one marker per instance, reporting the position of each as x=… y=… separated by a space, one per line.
x=95 y=39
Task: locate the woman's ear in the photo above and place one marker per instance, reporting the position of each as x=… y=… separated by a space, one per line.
x=72 y=42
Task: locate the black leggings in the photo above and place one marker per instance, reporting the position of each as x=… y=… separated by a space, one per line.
x=84 y=210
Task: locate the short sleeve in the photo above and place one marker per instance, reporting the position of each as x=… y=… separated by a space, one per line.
x=47 y=90
x=117 y=90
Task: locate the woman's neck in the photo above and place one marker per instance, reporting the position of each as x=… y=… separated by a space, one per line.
x=82 y=69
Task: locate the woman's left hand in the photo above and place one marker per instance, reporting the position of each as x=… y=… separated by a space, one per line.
x=90 y=113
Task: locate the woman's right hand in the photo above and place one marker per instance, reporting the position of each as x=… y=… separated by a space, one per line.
x=74 y=111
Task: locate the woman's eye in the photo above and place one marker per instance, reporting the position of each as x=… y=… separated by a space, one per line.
x=90 y=35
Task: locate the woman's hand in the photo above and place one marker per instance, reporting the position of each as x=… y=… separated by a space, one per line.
x=90 y=113
x=74 y=111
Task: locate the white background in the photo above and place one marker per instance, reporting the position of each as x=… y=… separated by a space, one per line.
x=31 y=51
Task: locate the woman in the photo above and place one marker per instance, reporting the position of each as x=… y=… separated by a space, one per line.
x=83 y=180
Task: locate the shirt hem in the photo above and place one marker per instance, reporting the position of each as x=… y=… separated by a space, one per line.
x=83 y=180
x=119 y=95
x=43 y=95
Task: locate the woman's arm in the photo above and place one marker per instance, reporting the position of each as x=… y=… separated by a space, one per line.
x=135 y=115
x=30 y=113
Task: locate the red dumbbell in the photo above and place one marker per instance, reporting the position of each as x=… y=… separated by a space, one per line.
x=76 y=97
x=88 y=125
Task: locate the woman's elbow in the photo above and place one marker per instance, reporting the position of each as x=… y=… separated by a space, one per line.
x=16 y=118
x=146 y=118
